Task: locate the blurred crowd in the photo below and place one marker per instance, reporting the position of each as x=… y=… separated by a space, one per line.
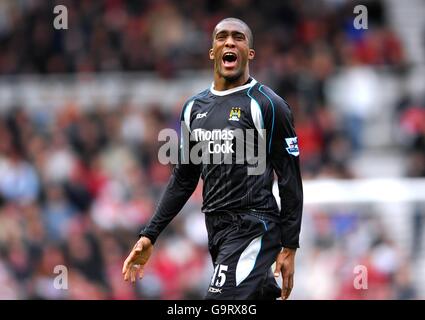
x=75 y=189
x=299 y=46
x=166 y=36
x=353 y=256
x=77 y=185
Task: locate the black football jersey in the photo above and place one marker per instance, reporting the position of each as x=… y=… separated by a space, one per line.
x=235 y=140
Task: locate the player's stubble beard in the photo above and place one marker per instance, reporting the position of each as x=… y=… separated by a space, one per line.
x=234 y=76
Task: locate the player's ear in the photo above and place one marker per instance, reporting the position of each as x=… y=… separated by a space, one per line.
x=211 y=54
x=251 y=54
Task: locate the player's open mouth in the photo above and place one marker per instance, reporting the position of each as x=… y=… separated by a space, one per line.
x=229 y=60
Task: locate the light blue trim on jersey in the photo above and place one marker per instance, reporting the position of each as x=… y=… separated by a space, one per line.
x=271 y=135
x=187 y=112
x=258 y=105
x=181 y=144
x=265 y=224
x=257 y=117
x=186 y=117
x=247 y=259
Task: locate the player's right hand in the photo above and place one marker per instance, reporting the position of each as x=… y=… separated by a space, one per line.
x=136 y=260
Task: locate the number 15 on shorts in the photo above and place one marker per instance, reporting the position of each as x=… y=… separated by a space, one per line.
x=219 y=276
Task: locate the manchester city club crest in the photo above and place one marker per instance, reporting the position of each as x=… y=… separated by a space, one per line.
x=235 y=114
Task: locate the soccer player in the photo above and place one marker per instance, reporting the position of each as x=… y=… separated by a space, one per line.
x=247 y=232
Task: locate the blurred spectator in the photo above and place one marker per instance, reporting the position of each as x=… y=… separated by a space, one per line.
x=411 y=129
x=18 y=179
x=57 y=213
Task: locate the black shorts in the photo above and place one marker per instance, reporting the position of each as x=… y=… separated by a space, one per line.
x=243 y=248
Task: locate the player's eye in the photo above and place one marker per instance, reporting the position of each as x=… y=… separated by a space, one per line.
x=221 y=36
x=239 y=36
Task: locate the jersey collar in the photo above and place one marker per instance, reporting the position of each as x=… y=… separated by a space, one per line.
x=233 y=90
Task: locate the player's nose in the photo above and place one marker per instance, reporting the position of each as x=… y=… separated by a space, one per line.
x=230 y=42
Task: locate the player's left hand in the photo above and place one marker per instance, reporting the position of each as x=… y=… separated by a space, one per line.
x=285 y=263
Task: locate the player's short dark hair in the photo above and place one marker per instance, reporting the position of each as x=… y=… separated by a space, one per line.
x=248 y=30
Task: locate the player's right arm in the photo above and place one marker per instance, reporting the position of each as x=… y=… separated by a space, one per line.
x=284 y=155
x=181 y=185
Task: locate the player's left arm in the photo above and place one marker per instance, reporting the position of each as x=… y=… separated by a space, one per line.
x=284 y=156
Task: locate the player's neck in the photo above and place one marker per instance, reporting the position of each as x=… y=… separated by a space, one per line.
x=221 y=84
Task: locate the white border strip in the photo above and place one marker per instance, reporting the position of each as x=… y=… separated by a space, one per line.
x=233 y=90
x=328 y=191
